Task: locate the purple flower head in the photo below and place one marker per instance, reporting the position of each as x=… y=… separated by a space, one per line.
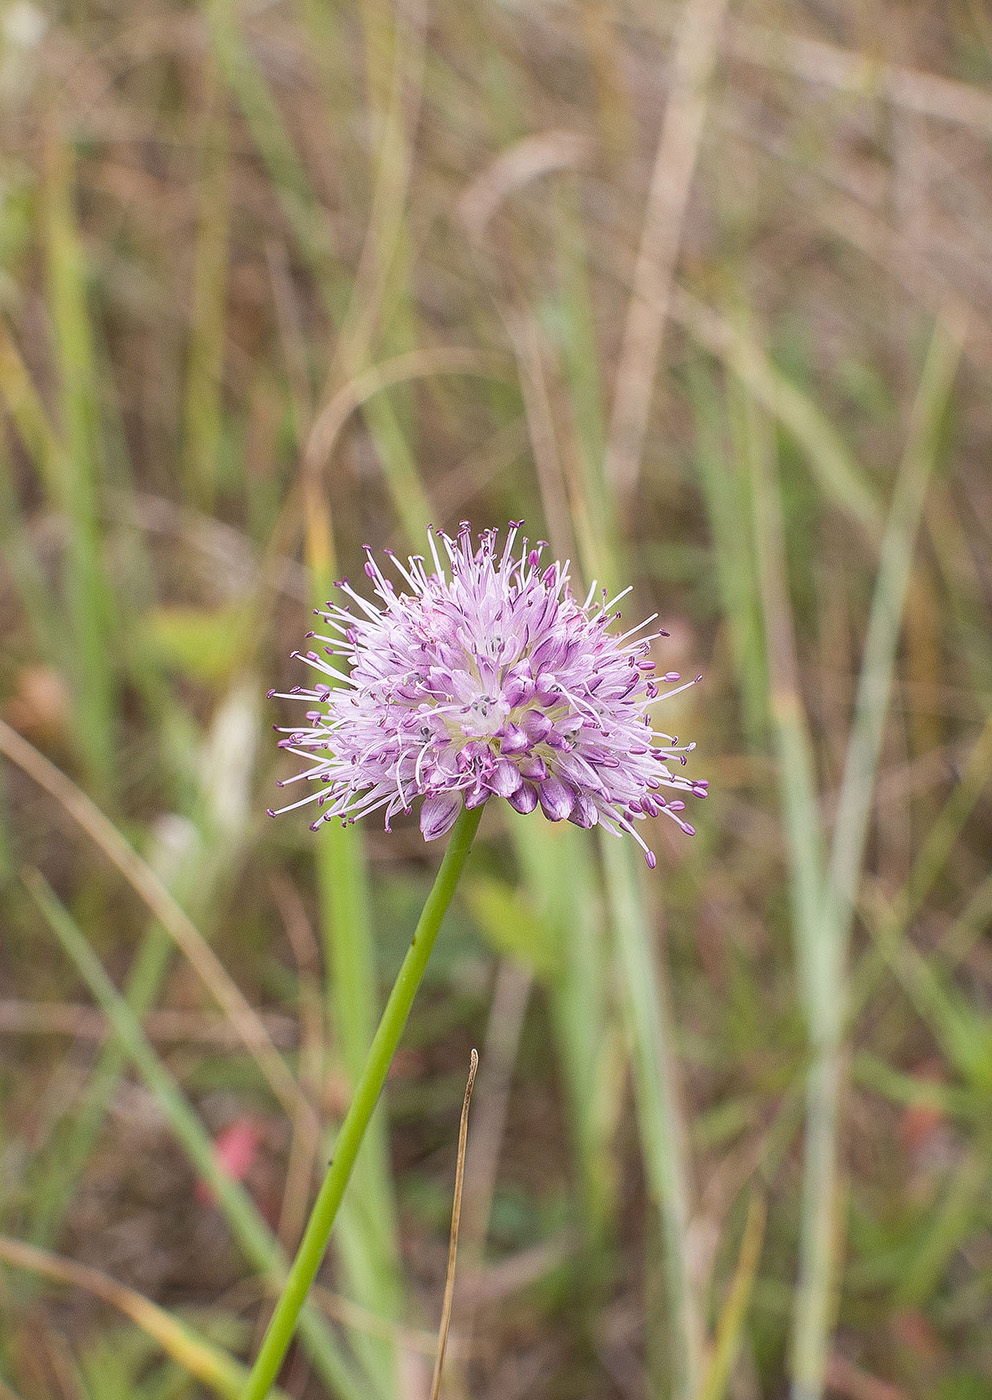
x=485 y=678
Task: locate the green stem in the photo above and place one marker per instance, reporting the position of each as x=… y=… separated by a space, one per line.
x=387 y=1037
x=664 y=1139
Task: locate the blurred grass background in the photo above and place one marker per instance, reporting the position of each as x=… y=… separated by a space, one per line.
x=703 y=293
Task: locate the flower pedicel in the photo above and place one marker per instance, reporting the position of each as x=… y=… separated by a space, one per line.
x=487 y=678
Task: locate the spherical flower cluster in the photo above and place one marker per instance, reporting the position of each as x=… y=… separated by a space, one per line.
x=487 y=678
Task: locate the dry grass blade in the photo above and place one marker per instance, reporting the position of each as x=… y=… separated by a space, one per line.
x=907 y=260
x=359 y=1319
x=522 y=162
x=456 y=1210
x=445 y=359
x=661 y=234
x=195 y=1354
x=165 y=1024
x=250 y=1028
x=926 y=93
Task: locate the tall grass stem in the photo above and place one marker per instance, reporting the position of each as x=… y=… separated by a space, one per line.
x=662 y=1125
x=829 y=929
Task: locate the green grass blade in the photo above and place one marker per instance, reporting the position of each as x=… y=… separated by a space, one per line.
x=89 y=599
x=795 y=770
x=243 y=1219
x=205 y=366
x=194 y=873
x=659 y=1117
x=727 y=493
x=664 y=1140
x=934 y=851
x=818 y=1245
x=24 y=565
x=884 y=623
x=574 y=967
x=268 y=129
x=951 y=1221
x=838 y=475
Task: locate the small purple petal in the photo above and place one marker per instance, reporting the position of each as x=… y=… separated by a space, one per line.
x=513 y=739
x=504 y=779
x=534 y=767
x=584 y=813
x=557 y=800
x=536 y=725
x=524 y=800
x=437 y=815
x=518 y=686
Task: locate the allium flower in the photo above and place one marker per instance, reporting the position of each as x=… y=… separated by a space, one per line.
x=486 y=678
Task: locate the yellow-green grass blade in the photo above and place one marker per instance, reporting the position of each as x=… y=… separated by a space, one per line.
x=208 y=1363
x=948 y=1224
x=805 y=856
x=89 y=600
x=962 y=1031
x=730 y=1324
